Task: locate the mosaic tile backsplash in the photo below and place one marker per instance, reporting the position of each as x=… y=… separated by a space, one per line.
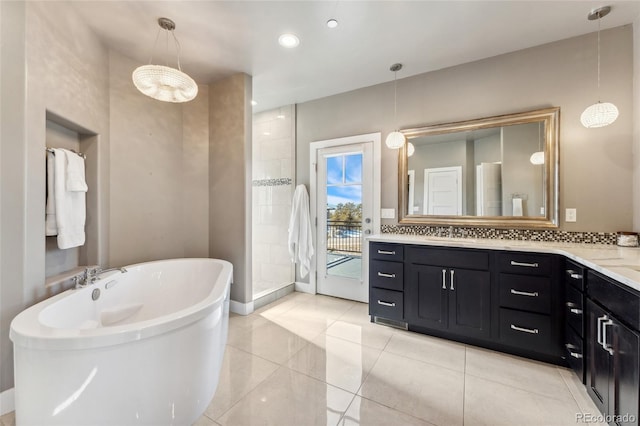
x=504 y=234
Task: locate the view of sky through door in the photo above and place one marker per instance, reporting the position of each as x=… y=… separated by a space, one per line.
x=344 y=214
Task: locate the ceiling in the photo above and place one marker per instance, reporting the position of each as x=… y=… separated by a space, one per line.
x=221 y=38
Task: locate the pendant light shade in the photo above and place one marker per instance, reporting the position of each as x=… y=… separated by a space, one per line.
x=599 y=114
x=410 y=149
x=395 y=139
x=162 y=82
x=537 y=158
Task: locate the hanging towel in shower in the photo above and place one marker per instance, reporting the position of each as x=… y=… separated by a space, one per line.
x=51 y=228
x=300 y=241
x=70 y=205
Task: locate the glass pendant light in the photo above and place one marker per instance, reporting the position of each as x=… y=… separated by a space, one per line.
x=395 y=139
x=162 y=82
x=599 y=114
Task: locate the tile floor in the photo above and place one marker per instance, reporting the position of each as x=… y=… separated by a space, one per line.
x=316 y=360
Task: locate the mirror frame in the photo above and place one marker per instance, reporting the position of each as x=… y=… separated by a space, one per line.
x=551 y=119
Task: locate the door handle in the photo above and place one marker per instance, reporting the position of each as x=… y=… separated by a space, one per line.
x=524 y=293
x=444 y=278
x=605 y=345
x=451 y=281
x=576 y=311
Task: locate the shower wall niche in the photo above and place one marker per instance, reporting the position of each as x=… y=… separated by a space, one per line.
x=273 y=168
x=61 y=133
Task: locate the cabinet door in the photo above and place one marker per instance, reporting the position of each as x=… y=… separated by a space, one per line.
x=598 y=359
x=626 y=375
x=426 y=291
x=469 y=302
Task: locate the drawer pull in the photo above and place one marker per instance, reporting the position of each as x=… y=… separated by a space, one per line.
x=524 y=293
x=391 y=253
x=528 y=265
x=391 y=305
x=384 y=275
x=524 y=330
x=573 y=274
x=576 y=311
x=569 y=347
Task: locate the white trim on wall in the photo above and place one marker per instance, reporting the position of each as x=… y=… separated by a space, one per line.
x=376 y=138
x=7 y=401
x=241 y=308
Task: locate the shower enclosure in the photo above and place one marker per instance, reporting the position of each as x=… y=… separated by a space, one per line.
x=273 y=168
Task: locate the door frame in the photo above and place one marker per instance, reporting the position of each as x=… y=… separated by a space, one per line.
x=314 y=147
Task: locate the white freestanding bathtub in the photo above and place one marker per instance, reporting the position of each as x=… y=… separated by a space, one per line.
x=147 y=351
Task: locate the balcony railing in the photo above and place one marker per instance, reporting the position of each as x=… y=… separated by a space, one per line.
x=344 y=236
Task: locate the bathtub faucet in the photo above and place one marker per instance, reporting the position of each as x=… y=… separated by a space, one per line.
x=91 y=275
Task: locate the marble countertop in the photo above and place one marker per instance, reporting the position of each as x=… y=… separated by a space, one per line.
x=620 y=263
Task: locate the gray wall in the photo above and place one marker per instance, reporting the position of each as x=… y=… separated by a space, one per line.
x=230 y=179
x=595 y=164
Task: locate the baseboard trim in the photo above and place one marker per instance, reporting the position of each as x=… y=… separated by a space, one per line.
x=241 y=308
x=7 y=401
x=305 y=287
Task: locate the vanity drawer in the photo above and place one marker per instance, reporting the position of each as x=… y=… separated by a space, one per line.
x=386 y=303
x=574 y=352
x=451 y=258
x=387 y=275
x=524 y=263
x=574 y=307
x=574 y=274
x=525 y=330
x=525 y=292
x=386 y=251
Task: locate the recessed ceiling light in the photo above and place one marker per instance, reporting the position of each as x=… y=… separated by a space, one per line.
x=280 y=116
x=288 y=40
x=253 y=103
x=332 y=23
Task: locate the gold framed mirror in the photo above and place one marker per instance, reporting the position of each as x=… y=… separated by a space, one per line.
x=498 y=171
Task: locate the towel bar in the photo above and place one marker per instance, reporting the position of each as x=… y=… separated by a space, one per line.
x=76 y=152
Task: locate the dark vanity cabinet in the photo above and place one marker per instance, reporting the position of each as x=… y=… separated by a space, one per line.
x=448 y=289
x=508 y=301
x=613 y=348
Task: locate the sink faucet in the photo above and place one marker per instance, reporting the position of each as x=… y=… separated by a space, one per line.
x=91 y=275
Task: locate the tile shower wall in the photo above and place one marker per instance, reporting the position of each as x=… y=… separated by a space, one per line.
x=273 y=185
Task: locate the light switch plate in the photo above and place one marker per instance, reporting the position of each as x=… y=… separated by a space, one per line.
x=570 y=215
x=387 y=213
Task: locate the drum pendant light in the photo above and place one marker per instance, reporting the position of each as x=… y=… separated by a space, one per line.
x=599 y=114
x=395 y=139
x=162 y=82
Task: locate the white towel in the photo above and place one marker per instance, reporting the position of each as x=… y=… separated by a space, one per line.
x=51 y=228
x=300 y=240
x=70 y=205
x=75 y=172
x=517 y=206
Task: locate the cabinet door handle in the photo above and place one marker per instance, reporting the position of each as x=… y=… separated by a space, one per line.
x=569 y=347
x=444 y=278
x=605 y=345
x=599 y=337
x=391 y=305
x=391 y=253
x=524 y=293
x=385 y=275
x=524 y=330
x=451 y=281
x=576 y=311
x=528 y=265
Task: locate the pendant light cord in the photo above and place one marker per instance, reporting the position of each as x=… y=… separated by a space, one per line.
x=175 y=39
x=599 y=57
x=395 y=98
